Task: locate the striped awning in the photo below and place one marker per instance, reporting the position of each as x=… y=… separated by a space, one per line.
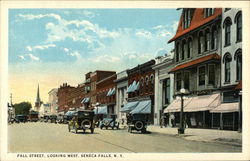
x=226 y=108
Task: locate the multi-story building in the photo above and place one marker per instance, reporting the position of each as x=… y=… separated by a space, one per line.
x=53 y=100
x=106 y=92
x=197 y=61
x=164 y=85
x=141 y=80
x=121 y=94
x=231 y=70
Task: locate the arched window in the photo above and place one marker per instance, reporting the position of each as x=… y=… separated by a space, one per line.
x=152 y=82
x=238 y=58
x=227 y=25
x=238 y=21
x=147 y=83
x=189 y=47
x=207 y=40
x=200 y=42
x=214 y=38
x=227 y=61
x=141 y=85
x=183 y=49
x=177 y=52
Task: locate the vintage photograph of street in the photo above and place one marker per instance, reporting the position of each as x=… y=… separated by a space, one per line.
x=127 y=80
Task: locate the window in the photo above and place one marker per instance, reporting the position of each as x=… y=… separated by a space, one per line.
x=189 y=47
x=214 y=38
x=207 y=40
x=177 y=52
x=227 y=60
x=141 y=84
x=229 y=97
x=152 y=81
x=166 y=89
x=200 y=45
x=227 y=25
x=178 y=81
x=211 y=74
x=202 y=74
x=186 y=80
x=238 y=57
x=239 y=27
x=208 y=12
x=187 y=14
x=183 y=49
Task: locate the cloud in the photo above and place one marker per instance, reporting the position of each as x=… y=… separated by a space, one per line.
x=32 y=57
x=21 y=57
x=144 y=34
x=88 y=14
x=66 y=50
x=40 y=47
x=39 y=16
x=105 y=58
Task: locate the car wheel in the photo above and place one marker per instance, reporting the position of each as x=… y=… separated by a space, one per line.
x=101 y=127
x=84 y=130
x=139 y=125
x=106 y=127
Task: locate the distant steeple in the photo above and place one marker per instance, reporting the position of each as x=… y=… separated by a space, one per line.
x=38 y=102
x=38 y=95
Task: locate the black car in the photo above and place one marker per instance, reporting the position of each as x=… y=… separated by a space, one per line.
x=109 y=121
x=21 y=118
x=137 y=122
x=53 y=118
x=82 y=120
x=45 y=118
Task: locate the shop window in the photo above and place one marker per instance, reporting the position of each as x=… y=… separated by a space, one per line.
x=211 y=74
x=202 y=75
x=189 y=47
x=227 y=26
x=186 y=80
x=238 y=57
x=166 y=90
x=178 y=81
x=238 y=20
x=214 y=38
x=227 y=61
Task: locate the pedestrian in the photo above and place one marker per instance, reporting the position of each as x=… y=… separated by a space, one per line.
x=172 y=118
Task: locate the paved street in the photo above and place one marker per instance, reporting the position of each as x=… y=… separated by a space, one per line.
x=48 y=137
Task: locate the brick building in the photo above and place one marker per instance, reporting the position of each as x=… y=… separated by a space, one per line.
x=141 y=81
x=105 y=93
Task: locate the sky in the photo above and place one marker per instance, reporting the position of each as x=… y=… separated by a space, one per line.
x=54 y=46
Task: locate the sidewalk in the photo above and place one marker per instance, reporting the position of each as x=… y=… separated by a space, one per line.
x=206 y=135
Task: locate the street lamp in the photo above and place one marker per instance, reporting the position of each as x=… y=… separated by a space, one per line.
x=240 y=112
x=181 y=128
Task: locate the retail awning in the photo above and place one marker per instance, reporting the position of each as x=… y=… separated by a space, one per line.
x=101 y=110
x=195 y=104
x=203 y=103
x=226 y=108
x=132 y=87
x=129 y=106
x=144 y=107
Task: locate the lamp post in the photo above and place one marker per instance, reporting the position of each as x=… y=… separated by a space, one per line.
x=181 y=128
x=240 y=112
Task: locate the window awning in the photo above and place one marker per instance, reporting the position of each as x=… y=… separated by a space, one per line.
x=203 y=103
x=129 y=106
x=195 y=104
x=226 y=108
x=144 y=107
x=109 y=92
x=83 y=101
x=101 y=110
x=132 y=87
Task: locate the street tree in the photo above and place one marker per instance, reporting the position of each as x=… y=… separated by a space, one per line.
x=22 y=108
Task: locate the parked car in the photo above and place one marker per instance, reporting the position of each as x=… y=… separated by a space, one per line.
x=82 y=120
x=45 y=118
x=109 y=121
x=53 y=118
x=33 y=116
x=21 y=118
x=137 y=122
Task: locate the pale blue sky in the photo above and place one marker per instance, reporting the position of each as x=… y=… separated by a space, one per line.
x=64 y=44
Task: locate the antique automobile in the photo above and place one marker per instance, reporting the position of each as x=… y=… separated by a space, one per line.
x=82 y=120
x=68 y=116
x=59 y=118
x=45 y=118
x=53 y=118
x=33 y=116
x=21 y=118
x=109 y=121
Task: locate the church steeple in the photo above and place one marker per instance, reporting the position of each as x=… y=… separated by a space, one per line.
x=38 y=102
x=38 y=95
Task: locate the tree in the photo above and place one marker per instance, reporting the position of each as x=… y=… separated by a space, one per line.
x=22 y=108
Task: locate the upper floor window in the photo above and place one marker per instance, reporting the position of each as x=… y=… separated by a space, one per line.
x=214 y=38
x=208 y=12
x=177 y=52
x=186 y=80
x=207 y=40
x=189 y=47
x=202 y=75
x=238 y=20
x=141 y=85
x=187 y=16
x=227 y=60
x=166 y=89
x=152 y=81
x=238 y=57
x=200 y=42
x=227 y=25
x=183 y=49
x=211 y=74
x=178 y=81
